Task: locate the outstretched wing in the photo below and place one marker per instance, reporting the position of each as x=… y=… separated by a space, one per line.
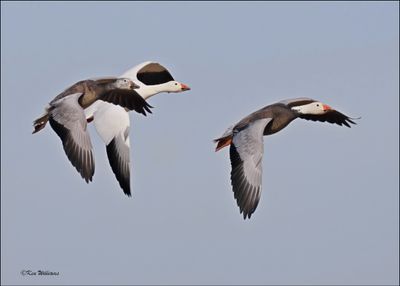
x=118 y=156
x=69 y=122
x=331 y=116
x=153 y=73
x=112 y=124
x=246 y=154
x=127 y=98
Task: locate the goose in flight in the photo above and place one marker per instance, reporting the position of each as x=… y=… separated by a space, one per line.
x=246 y=143
x=66 y=115
x=112 y=121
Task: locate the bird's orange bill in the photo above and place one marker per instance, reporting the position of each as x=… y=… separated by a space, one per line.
x=184 y=87
x=326 y=107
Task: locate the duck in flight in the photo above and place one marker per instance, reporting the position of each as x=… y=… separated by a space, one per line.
x=66 y=116
x=246 y=143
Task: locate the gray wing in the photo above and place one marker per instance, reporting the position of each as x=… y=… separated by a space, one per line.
x=68 y=120
x=118 y=156
x=246 y=154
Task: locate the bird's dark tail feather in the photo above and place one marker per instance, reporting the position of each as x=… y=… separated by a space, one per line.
x=40 y=123
x=223 y=142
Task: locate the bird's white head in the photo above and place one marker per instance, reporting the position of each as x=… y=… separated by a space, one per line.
x=174 y=86
x=125 y=83
x=313 y=108
x=147 y=91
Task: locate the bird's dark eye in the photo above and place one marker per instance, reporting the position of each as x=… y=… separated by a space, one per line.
x=317 y=104
x=176 y=84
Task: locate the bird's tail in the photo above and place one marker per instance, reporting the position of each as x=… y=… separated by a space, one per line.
x=223 y=142
x=40 y=123
x=225 y=139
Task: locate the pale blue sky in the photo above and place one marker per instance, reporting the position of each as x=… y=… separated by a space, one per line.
x=329 y=212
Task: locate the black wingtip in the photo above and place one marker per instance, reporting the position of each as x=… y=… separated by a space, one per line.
x=246 y=213
x=126 y=187
x=246 y=196
x=350 y=120
x=123 y=178
x=147 y=108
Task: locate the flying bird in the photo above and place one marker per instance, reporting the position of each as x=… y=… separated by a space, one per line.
x=112 y=121
x=67 y=118
x=246 y=143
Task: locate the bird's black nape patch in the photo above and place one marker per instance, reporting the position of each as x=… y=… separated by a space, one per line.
x=153 y=74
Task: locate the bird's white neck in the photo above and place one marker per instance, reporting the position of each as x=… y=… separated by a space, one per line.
x=148 y=91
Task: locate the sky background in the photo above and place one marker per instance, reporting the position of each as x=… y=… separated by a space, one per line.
x=329 y=211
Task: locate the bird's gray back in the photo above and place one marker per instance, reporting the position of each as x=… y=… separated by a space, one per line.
x=78 y=87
